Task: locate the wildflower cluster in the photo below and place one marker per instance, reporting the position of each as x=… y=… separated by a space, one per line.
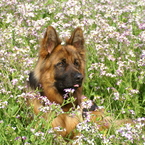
x=68 y=92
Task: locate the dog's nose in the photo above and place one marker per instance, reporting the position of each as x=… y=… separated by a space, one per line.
x=78 y=77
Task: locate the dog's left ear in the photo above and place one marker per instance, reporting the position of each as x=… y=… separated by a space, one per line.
x=77 y=38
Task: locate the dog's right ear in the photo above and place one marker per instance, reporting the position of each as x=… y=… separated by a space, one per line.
x=49 y=42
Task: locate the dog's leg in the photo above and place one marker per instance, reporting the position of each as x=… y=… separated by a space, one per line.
x=107 y=122
x=68 y=124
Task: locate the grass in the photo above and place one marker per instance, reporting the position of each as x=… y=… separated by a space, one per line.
x=115 y=42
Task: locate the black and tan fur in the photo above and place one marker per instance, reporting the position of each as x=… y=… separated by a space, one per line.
x=60 y=67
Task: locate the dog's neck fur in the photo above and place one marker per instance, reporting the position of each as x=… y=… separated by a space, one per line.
x=61 y=100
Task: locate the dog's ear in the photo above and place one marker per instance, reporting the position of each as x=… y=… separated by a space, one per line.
x=77 y=38
x=49 y=42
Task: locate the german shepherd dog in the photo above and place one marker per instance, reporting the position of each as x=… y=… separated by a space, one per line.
x=61 y=67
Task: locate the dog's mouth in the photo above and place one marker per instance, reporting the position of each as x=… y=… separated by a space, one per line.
x=67 y=88
x=62 y=86
x=75 y=86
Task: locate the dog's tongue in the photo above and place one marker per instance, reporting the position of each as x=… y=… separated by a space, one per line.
x=76 y=85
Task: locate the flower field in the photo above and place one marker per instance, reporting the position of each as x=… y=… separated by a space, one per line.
x=114 y=34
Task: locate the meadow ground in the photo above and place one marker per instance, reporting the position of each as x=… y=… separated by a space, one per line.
x=115 y=42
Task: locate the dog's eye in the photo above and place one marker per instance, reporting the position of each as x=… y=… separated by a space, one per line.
x=62 y=63
x=76 y=63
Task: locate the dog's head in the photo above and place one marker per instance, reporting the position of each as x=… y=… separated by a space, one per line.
x=60 y=66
